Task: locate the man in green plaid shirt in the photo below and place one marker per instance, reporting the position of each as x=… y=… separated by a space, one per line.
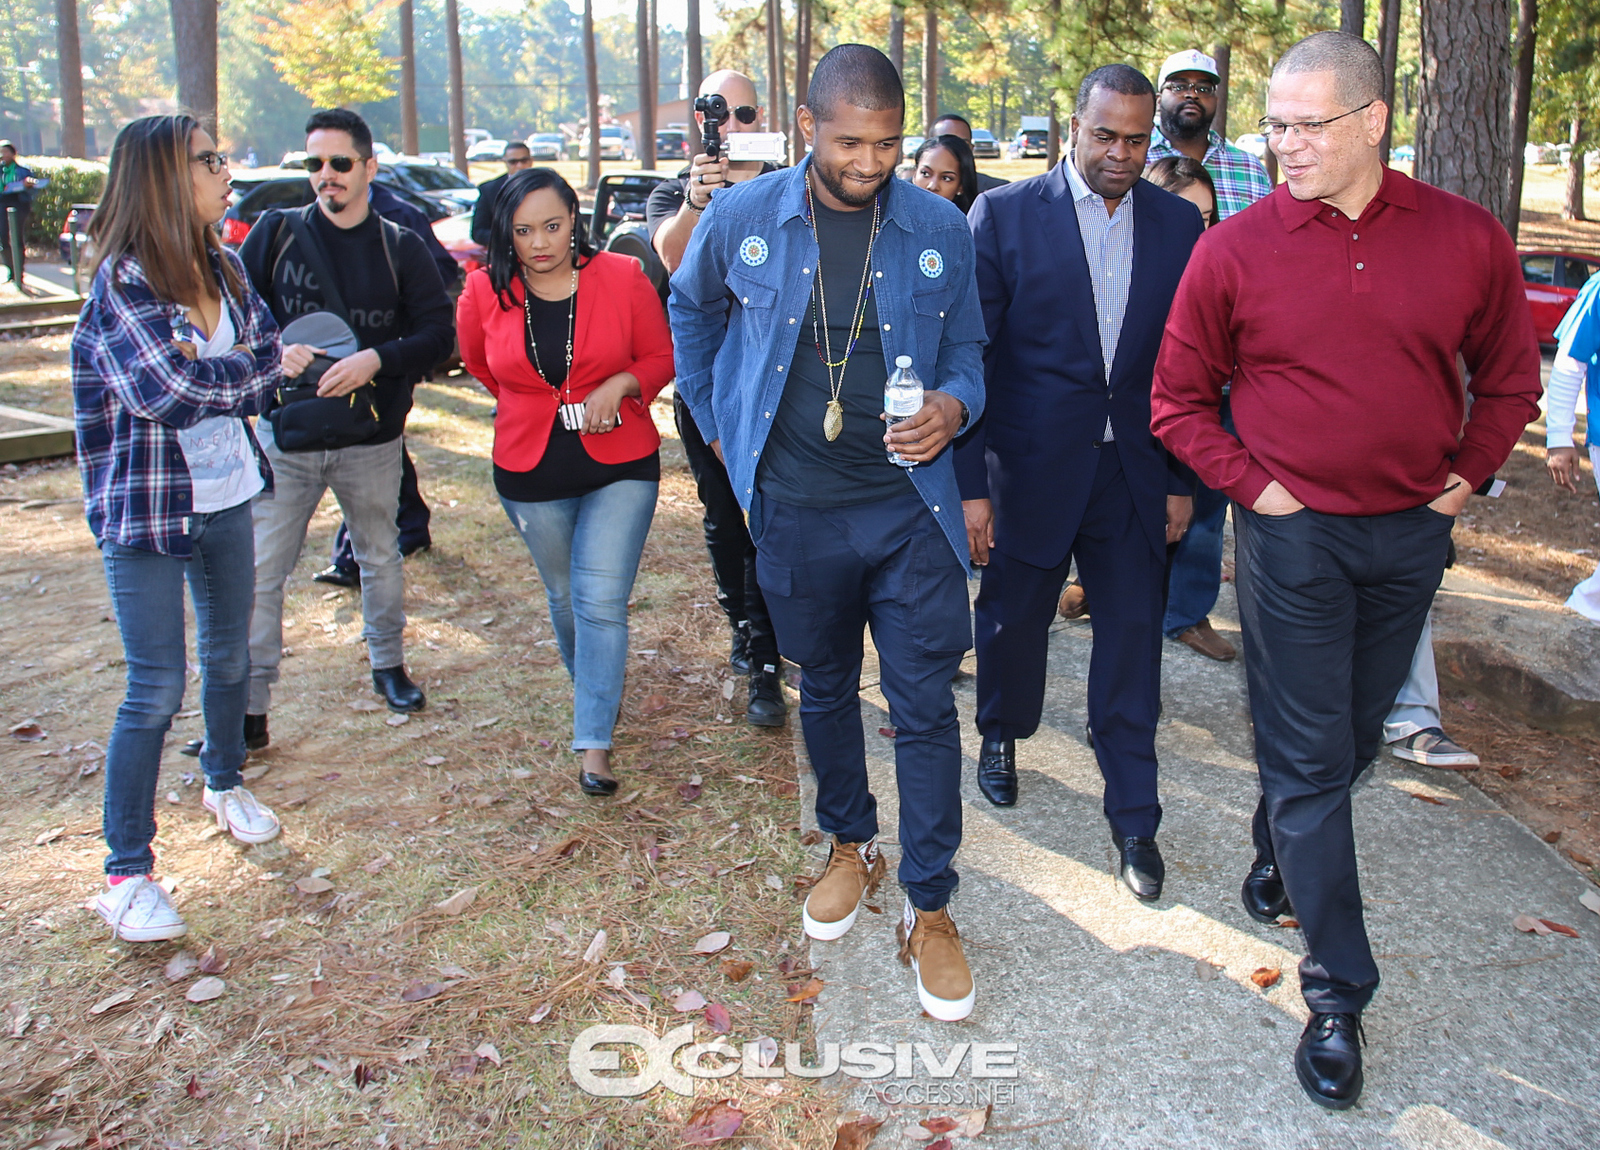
x=1187 y=103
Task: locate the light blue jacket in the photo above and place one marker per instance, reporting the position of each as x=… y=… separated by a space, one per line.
x=739 y=304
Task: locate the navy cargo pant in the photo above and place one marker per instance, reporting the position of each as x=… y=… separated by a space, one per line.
x=826 y=574
x=1331 y=608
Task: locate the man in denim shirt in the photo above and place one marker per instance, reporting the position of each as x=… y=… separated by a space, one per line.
x=796 y=292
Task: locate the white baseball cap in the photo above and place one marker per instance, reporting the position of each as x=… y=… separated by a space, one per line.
x=1189 y=60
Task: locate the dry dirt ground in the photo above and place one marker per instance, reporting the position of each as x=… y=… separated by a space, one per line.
x=357 y=1010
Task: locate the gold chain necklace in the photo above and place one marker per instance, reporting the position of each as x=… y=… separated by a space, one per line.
x=833 y=414
x=572 y=314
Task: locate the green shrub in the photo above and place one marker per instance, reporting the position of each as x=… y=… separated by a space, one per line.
x=71 y=182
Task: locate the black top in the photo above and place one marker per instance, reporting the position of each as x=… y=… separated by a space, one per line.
x=399 y=309
x=799 y=465
x=566 y=470
x=667 y=197
x=483 y=210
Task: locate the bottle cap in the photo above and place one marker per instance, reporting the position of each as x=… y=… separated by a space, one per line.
x=902 y=361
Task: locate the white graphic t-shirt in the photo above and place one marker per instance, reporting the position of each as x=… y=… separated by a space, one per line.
x=222 y=464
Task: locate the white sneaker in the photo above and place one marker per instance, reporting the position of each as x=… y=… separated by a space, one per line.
x=137 y=910
x=241 y=816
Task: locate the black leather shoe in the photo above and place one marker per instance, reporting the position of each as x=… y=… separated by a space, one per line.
x=592 y=784
x=338 y=576
x=1328 y=1060
x=739 y=649
x=255 y=737
x=1141 y=867
x=415 y=549
x=997 y=771
x=1263 y=895
x=767 y=708
x=398 y=690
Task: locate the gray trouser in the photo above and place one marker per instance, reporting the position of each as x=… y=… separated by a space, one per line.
x=366 y=481
x=1416 y=707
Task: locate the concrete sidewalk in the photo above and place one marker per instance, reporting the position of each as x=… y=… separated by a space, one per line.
x=1480 y=1036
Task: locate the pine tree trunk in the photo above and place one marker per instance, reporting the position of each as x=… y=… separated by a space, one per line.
x=930 y=68
x=694 y=49
x=645 y=142
x=458 y=104
x=774 y=66
x=70 y=56
x=1466 y=92
x=591 y=74
x=897 y=36
x=655 y=62
x=410 y=136
x=1572 y=209
x=1353 y=17
x=780 y=121
x=802 y=76
x=1223 y=53
x=1388 y=52
x=1521 y=98
x=194 y=42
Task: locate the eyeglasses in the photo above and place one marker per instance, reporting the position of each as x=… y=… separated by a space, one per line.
x=339 y=164
x=1178 y=88
x=517 y=161
x=214 y=161
x=746 y=114
x=1306 y=129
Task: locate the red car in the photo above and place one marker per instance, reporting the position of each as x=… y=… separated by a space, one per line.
x=1552 y=282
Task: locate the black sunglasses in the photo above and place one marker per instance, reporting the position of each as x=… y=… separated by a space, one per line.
x=337 y=163
x=746 y=114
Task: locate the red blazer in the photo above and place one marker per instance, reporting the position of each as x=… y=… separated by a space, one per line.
x=620 y=326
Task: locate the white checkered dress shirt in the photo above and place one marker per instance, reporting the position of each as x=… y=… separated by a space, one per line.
x=1108 y=246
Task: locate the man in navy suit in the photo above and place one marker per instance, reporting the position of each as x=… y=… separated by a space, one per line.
x=1076 y=270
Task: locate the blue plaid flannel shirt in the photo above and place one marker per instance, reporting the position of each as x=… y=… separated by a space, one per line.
x=132 y=389
x=1241 y=179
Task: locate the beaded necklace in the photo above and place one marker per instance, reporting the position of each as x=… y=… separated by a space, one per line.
x=833 y=414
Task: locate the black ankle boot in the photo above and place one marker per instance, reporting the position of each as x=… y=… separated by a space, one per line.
x=767 y=708
x=739 y=648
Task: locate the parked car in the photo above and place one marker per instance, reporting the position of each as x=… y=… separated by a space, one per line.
x=910 y=144
x=1552 y=280
x=673 y=144
x=616 y=143
x=1254 y=143
x=984 y=145
x=442 y=184
x=616 y=222
x=1404 y=154
x=1030 y=143
x=547 y=145
x=486 y=151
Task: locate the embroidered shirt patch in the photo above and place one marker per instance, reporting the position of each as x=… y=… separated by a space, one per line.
x=931 y=263
x=753 y=251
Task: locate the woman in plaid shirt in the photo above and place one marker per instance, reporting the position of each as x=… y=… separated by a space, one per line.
x=172 y=352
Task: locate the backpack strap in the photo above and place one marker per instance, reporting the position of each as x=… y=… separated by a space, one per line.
x=316 y=259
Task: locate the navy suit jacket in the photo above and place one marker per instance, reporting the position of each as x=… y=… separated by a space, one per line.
x=1033 y=453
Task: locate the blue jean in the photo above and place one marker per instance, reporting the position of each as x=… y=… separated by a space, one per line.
x=828 y=573
x=587 y=551
x=1195 y=575
x=147 y=596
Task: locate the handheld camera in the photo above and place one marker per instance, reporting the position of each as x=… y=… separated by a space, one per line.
x=714 y=113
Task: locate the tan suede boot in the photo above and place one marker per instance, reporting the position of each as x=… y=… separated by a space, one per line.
x=931 y=946
x=854 y=871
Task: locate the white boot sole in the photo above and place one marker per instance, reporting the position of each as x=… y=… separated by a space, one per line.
x=944 y=1009
x=244 y=836
x=828 y=931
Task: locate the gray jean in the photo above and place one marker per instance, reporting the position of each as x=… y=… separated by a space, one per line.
x=366 y=481
x=1416 y=707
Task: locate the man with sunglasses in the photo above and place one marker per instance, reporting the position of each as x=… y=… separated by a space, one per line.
x=401 y=315
x=1339 y=307
x=672 y=214
x=516 y=157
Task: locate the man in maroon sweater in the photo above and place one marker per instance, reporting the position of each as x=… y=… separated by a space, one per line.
x=1338 y=305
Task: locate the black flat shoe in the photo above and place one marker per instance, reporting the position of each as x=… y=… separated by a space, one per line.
x=1328 y=1060
x=398 y=690
x=338 y=576
x=766 y=707
x=1263 y=895
x=592 y=784
x=255 y=737
x=997 y=771
x=1141 y=868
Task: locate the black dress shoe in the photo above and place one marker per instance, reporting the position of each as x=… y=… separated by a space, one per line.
x=739 y=649
x=997 y=771
x=1141 y=867
x=1263 y=895
x=398 y=690
x=592 y=784
x=767 y=708
x=255 y=737
x=1328 y=1060
x=338 y=576
x=407 y=552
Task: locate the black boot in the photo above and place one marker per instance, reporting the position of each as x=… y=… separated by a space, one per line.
x=255 y=737
x=739 y=649
x=997 y=772
x=1262 y=894
x=766 y=708
x=338 y=576
x=398 y=690
x=1328 y=1060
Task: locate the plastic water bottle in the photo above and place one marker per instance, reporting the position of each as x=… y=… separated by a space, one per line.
x=902 y=398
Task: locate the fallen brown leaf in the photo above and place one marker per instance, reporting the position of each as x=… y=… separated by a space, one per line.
x=487 y=1050
x=1288 y=923
x=718 y=1019
x=1426 y=798
x=597 y=947
x=180 y=966
x=540 y=1012
x=112 y=1001
x=713 y=943
x=16 y=1019
x=888 y=732
x=688 y=1000
x=737 y=970
x=712 y=1124
x=940 y=1125
x=806 y=991
x=205 y=989
x=810 y=839
x=1266 y=977
x=312 y=885
x=418 y=991
x=28 y=732
x=857 y=1133
x=457 y=902
x=361 y=1075
x=464 y=1066
x=652 y=704
x=45 y=838
x=214 y=960
x=194 y=1089
x=1590 y=901
x=1557 y=928
x=974 y=1122
x=1530 y=924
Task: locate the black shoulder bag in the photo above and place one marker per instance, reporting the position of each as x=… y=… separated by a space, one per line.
x=302 y=419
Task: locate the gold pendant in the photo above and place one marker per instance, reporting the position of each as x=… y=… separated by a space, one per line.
x=833 y=421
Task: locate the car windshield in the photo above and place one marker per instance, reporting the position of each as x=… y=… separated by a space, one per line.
x=980 y=134
x=611 y=131
x=432 y=178
x=547 y=139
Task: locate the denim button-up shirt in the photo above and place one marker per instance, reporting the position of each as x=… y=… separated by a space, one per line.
x=740 y=299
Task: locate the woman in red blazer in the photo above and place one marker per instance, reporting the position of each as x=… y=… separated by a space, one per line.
x=574 y=346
